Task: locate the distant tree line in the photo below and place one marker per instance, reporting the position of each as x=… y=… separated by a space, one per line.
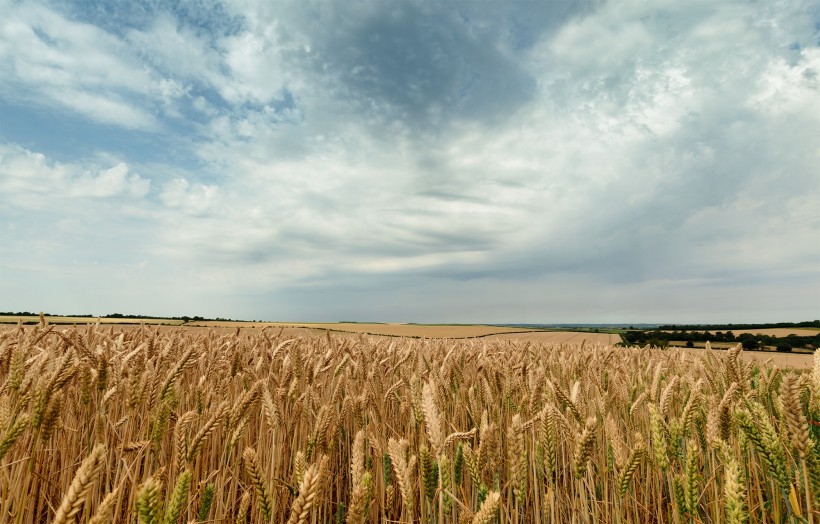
x=738 y=327
x=120 y=315
x=661 y=338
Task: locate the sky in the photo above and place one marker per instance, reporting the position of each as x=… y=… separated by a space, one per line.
x=596 y=161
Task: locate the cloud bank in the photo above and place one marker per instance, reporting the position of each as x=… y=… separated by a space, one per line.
x=412 y=161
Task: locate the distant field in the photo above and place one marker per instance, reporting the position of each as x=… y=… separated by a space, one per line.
x=775 y=358
x=794 y=359
x=13 y=319
x=781 y=360
x=390 y=330
x=393 y=330
x=562 y=337
x=434 y=331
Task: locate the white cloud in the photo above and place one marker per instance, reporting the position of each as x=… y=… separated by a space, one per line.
x=790 y=89
x=175 y=48
x=29 y=180
x=110 y=182
x=46 y=58
x=244 y=67
x=194 y=199
x=256 y=72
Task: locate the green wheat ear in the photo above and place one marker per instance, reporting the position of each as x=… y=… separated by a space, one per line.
x=387 y=469
x=340 y=513
x=178 y=498
x=12 y=434
x=148 y=503
x=207 y=500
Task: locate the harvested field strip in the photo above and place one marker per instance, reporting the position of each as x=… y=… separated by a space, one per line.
x=250 y=426
x=562 y=337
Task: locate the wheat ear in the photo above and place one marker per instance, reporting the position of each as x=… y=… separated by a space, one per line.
x=397 y=450
x=244 y=505
x=307 y=494
x=432 y=418
x=488 y=509
x=103 y=513
x=583 y=447
x=357 y=458
x=13 y=434
x=81 y=485
x=733 y=492
x=632 y=463
x=207 y=429
x=175 y=372
x=517 y=457
x=359 y=500
x=178 y=498
x=259 y=483
x=148 y=501
x=360 y=480
x=796 y=422
x=462 y=435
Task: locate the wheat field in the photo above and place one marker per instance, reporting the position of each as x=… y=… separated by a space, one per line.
x=164 y=426
x=390 y=330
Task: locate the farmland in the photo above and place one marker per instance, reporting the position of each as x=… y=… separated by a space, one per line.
x=55 y=319
x=561 y=337
x=392 y=330
x=428 y=331
x=159 y=424
x=432 y=331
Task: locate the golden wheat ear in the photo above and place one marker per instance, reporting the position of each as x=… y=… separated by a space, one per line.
x=81 y=485
x=308 y=490
x=488 y=509
x=259 y=482
x=103 y=513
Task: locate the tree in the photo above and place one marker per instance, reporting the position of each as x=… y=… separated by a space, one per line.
x=783 y=346
x=749 y=342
